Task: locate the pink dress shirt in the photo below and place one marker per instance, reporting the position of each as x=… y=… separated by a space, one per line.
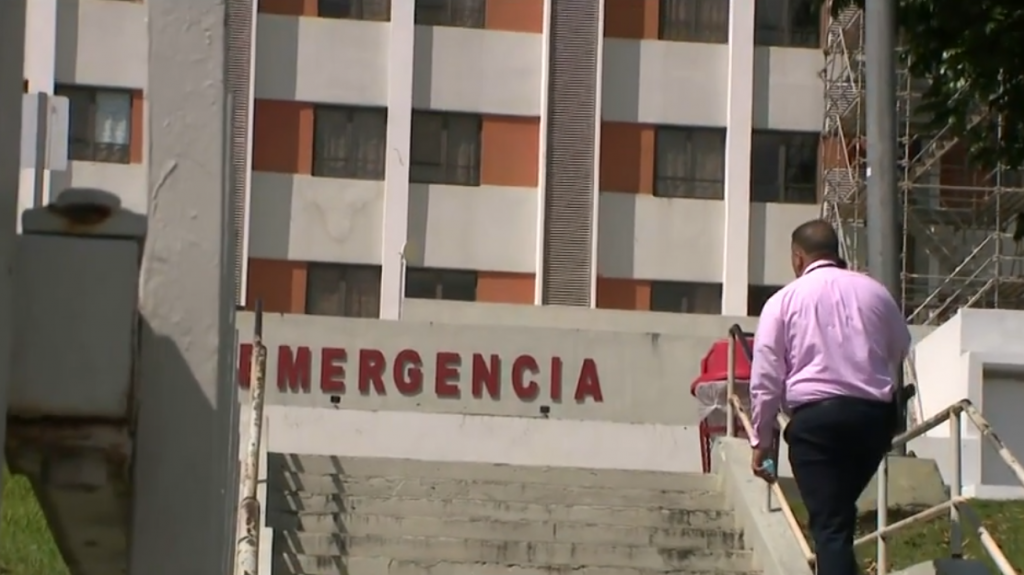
x=829 y=333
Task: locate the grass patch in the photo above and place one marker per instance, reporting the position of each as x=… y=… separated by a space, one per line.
x=930 y=540
x=26 y=545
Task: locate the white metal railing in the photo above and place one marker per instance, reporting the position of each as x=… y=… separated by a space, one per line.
x=247 y=548
x=957 y=507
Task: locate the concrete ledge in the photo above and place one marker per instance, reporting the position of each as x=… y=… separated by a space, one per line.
x=776 y=548
x=948 y=567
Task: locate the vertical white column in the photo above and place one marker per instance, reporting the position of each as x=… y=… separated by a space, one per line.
x=542 y=156
x=12 y=60
x=396 y=171
x=40 y=71
x=740 y=112
x=185 y=384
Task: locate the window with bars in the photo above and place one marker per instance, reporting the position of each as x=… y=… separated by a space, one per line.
x=705 y=21
x=372 y=10
x=343 y=290
x=100 y=124
x=689 y=163
x=686 y=297
x=453 y=285
x=787 y=23
x=757 y=296
x=784 y=167
x=455 y=13
x=349 y=142
x=445 y=149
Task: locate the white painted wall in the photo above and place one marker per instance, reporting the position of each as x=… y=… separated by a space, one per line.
x=977 y=355
x=322 y=60
x=102 y=43
x=487 y=439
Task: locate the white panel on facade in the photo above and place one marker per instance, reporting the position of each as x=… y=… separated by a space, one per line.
x=484 y=71
x=788 y=89
x=322 y=60
x=771 y=227
x=490 y=228
x=126 y=181
x=102 y=43
x=656 y=82
x=315 y=219
x=672 y=239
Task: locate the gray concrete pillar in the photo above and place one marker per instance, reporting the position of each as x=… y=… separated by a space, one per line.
x=187 y=429
x=12 y=61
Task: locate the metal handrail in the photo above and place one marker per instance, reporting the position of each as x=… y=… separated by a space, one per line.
x=958 y=506
x=247 y=547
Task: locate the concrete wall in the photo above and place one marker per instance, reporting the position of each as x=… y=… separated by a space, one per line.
x=644 y=362
x=977 y=355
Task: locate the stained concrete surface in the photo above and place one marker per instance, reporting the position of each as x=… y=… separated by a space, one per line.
x=369 y=516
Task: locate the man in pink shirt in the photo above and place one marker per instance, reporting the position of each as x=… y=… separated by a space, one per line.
x=827 y=350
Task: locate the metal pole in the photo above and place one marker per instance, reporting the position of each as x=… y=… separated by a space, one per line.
x=882 y=522
x=248 y=548
x=12 y=61
x=956 y=534
x=730 y=389
x=882 y=197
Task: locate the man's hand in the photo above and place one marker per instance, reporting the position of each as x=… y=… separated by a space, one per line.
x=757 y=465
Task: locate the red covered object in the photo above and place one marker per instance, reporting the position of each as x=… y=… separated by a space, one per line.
x=710 y=389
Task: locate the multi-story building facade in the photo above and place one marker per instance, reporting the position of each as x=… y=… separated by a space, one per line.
x=628 y=154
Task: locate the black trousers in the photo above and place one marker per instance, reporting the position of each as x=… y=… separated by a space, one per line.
x=835 y=447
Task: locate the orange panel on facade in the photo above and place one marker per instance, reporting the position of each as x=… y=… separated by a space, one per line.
x=289 y=7
x=497 y=287
x=135 y=140
x=614 y=293
x=627 y=158
x=515 y=15
x=280 y=284
x=509 y=151
x=631 y=19
x=282 y=137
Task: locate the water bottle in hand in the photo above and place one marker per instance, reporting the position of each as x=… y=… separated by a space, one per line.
x=769 y=467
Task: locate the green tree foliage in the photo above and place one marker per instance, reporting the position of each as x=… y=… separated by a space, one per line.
x=972 y=54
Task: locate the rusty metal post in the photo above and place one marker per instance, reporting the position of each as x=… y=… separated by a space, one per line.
x=248 y=546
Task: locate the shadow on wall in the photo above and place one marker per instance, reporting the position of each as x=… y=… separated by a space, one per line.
x=66 y=65
x=175 y=479
x=279 y=79
x=296 y=499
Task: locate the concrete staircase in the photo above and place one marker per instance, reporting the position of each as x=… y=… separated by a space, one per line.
x=366 y=516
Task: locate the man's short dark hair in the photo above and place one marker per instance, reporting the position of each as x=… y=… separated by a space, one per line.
x=817 y=238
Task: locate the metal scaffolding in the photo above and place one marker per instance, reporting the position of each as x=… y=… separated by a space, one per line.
x=958 y=220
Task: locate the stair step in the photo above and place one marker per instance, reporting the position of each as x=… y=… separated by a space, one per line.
x=312 y=552
x=386 y=566
x=440 y=488
x=303 y=510
x=574 y=477
x=540 y=531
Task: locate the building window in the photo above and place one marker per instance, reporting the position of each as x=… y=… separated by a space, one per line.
x=686 y=297
x=789 y=23
x=757 y=296
x=456 y=13
x=343 y=290
x=689 y=163
x=100 y=124
x=373 y=10
x=450 y=285
x=784 y=167
x=445 y=148
x=349 y=142
x=704 y=21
